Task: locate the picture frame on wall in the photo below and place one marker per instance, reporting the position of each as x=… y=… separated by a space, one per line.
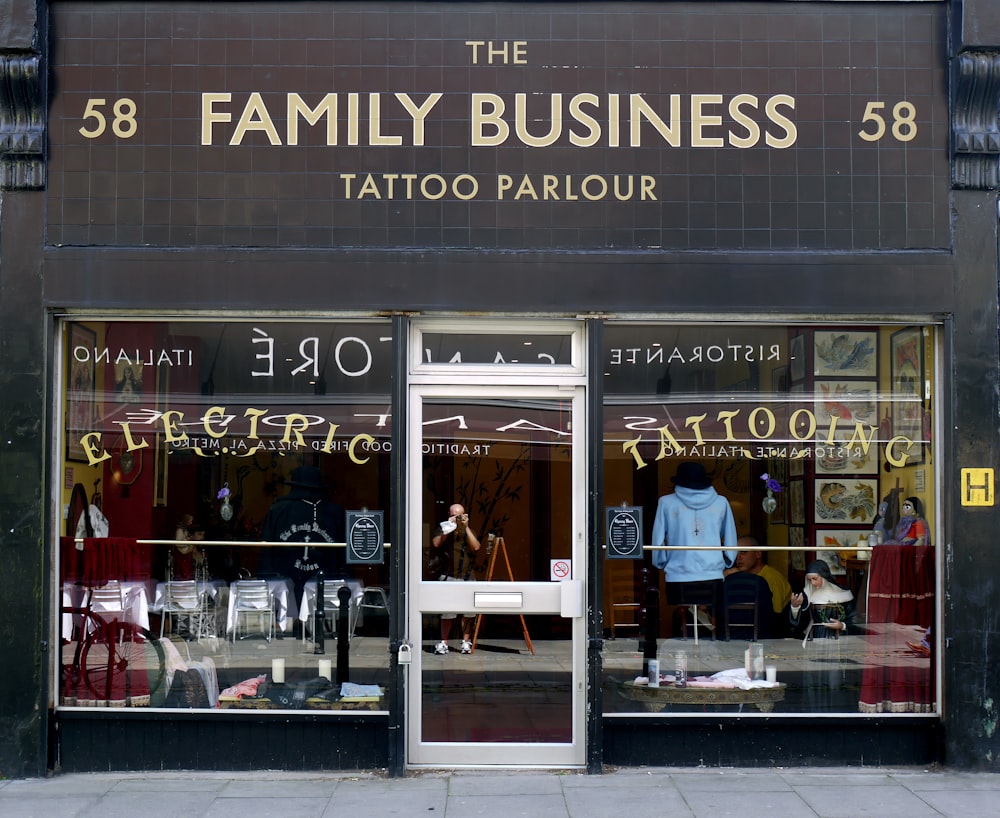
x=797 y=358
x=832 y=543
x=81 y=392
x=796 y=467
x=832 y=558
x=778 y=470
x=847 y=455
x=906 y=366
x=850 y=500
x=798 y=560
x=796 y=502
x=848 y=401
x=797 y=542
x=779 y=380
x=845 y=354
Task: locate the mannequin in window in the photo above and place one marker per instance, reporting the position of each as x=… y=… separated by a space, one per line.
x=823 y=603
x=305 y=515
x=823 y=615
x=912 y=527
x=695 y=515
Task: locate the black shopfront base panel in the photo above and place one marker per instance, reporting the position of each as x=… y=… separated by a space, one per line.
x=695 y=742
x=140 y=742
x=132 y=742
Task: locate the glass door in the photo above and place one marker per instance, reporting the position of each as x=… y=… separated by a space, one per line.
x=496 y=576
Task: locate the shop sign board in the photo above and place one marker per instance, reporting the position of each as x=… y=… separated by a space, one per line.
x=593 y=126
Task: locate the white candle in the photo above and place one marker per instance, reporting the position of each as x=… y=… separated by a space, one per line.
x=772 y=673
x=326 y=669
x=278 y=671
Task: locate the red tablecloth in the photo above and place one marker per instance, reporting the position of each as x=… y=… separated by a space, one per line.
x=901 y=585
x=103 y=558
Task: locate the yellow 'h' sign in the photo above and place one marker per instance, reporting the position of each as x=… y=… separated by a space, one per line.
x=977 y=487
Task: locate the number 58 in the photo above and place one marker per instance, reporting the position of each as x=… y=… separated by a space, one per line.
x=123 y=125
x=904 y=125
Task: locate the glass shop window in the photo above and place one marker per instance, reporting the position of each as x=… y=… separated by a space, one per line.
x=226 y=499
x=772 y=517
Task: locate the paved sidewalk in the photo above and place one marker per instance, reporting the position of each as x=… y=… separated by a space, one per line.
x=673 y=793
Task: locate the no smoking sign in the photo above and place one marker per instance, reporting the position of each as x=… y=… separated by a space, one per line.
x=560 y=570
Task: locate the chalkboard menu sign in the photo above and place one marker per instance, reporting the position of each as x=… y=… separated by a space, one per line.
x=624 y=526
x=365 y=539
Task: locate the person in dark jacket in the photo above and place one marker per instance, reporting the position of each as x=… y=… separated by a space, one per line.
x=308 y=516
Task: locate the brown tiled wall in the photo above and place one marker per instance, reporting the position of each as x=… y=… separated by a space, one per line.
x=831 y=190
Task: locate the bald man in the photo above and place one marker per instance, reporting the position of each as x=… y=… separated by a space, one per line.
x=751 y=560
x=453 y=551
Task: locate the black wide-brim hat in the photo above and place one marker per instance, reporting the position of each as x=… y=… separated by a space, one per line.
x=306 y=477
x=691 y=475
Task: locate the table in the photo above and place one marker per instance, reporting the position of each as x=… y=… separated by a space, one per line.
x=286 y=609
x=211 y=595
x=308 y=603
x=135 y=602
x=212 y=588
x=654 y=699
x=310 y=704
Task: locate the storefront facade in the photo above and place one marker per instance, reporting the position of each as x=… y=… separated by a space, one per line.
x=284 y=284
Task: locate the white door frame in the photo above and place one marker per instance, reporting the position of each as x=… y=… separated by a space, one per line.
x=567 y=599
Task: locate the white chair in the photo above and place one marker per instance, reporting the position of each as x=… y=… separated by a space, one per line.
x=181 y=600
x=253 y=601
x=108 y=599
x=108 y=602
x=331 y=607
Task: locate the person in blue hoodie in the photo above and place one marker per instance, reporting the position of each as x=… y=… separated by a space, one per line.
x=695 y=515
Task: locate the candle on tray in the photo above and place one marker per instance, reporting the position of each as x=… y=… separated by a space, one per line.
x=278 y=671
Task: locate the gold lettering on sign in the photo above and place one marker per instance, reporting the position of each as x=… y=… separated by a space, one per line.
x=380 y=109
x=538 y=120
x=762 y=424
x=503 y=53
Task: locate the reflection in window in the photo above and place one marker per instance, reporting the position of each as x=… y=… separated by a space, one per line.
x=205 y=562
x=819 y=439
x=505 y=468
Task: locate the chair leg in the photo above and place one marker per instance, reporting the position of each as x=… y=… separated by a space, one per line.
x=693 y=610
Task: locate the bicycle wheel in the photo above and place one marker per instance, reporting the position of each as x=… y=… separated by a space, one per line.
x=122 y=664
